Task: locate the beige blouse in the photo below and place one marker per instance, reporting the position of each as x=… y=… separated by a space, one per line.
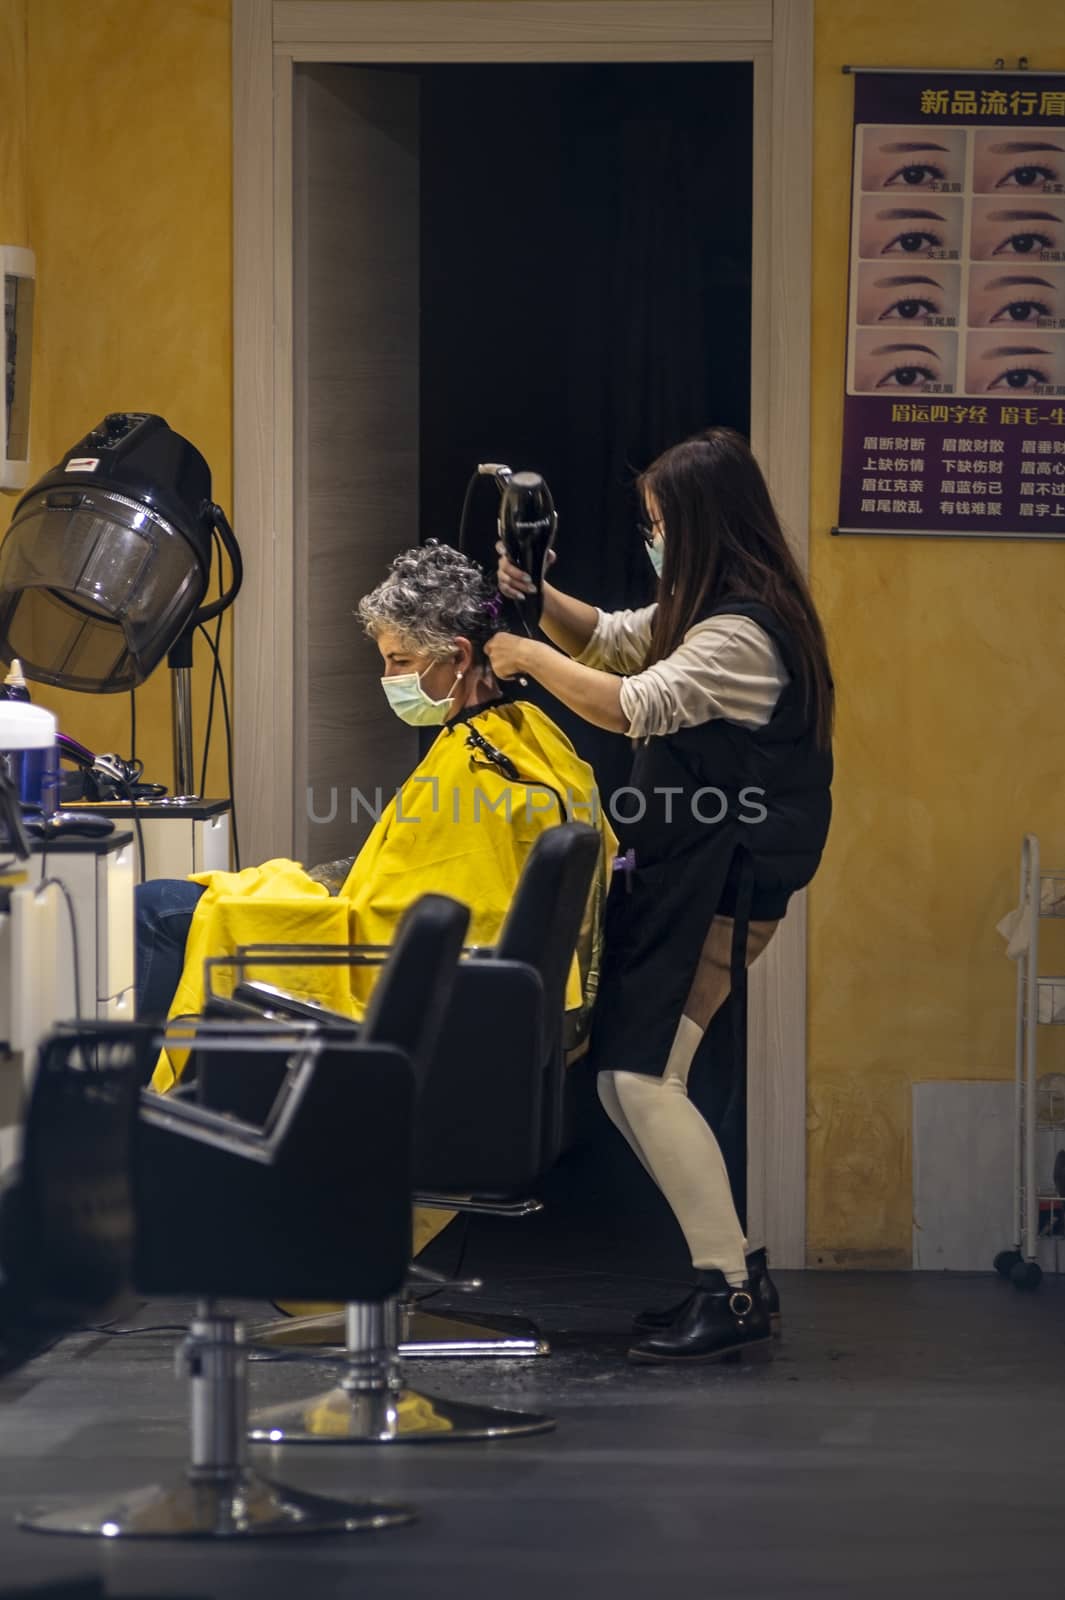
x=725 y=667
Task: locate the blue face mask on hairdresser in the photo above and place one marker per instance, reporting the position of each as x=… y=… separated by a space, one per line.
x=410 y=702
x=656 y=555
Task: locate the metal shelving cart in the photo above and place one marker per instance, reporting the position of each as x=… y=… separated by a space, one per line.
x=1039 y=1133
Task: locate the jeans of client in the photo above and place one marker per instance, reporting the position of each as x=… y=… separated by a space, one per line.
x=163 y=914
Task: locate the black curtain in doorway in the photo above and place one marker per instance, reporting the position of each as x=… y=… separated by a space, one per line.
x=585 y=298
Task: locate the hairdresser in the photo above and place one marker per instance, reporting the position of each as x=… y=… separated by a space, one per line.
x=723 y=685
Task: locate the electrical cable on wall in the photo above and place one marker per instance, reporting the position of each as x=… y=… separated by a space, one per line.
x=229 y=743
x=57 y=883
x=127 y=790
x=214 y=671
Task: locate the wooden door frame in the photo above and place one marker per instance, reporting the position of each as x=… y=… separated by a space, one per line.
x=269 y=37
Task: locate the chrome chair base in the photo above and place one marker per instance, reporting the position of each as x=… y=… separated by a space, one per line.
x=373 y=1405
x=243 y=1506
x=219 y=1496
x=424 y=1336
x=404 y=1416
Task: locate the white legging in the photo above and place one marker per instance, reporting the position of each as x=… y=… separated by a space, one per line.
x=667 y=1132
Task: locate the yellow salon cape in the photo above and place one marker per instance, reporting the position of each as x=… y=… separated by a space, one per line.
x=457 y=826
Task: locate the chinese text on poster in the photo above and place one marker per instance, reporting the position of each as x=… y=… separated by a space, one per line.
x=954 y=411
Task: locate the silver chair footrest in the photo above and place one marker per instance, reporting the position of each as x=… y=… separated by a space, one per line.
x=479 y=1205
x=427 y=1336
x=417 y=1274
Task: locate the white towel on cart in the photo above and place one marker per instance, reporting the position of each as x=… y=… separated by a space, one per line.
x=1016 y=929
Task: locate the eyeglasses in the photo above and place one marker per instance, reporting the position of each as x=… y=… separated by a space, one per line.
x=646 y=532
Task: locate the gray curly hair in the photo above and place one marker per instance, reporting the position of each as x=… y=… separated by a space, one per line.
x=432 y=595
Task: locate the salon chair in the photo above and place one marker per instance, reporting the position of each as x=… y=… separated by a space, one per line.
x=471 y=1156
x=489 y=1121
x=490 y=1118
x=66 y=1212
x=394 y=1016
x=401 y=1016
x=314 y=1202
x=209 y=1197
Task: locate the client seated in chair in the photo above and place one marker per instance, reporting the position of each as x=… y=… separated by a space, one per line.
x=462 y=824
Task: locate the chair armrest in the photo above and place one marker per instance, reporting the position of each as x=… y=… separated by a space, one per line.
x=218 y=1128
x=292 y=955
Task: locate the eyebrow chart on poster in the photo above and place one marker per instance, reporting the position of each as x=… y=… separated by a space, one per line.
x=954 y=408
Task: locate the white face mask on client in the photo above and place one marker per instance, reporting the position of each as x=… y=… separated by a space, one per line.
x=410 y=702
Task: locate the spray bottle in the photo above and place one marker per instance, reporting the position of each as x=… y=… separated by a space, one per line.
x=14 y=686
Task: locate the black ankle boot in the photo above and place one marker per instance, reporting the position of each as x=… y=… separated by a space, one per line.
x=717 y=1321
x=761 y=1285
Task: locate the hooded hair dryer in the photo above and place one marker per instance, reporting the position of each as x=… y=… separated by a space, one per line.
x=106 y=565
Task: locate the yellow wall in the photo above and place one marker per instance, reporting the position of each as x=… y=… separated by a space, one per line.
x=120 y=182
x=13 y=122
x=951 y=734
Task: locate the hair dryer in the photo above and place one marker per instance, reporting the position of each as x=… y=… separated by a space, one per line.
x=528 y=522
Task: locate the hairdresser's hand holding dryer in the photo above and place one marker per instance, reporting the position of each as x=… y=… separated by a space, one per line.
x=724 y=686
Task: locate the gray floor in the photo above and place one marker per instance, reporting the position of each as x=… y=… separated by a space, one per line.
x=907 y=1440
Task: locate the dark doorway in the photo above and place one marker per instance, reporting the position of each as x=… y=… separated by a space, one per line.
x=585 y=295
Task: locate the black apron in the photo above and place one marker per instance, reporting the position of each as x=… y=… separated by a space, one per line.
x=688 y=868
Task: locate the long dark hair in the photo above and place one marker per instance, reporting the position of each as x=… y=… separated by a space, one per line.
x=723 y=540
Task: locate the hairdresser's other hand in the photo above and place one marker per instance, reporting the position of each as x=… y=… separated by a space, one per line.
x=512 y=581
x=510 y=653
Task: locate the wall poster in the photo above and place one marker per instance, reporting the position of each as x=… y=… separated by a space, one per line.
x=954 y=408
